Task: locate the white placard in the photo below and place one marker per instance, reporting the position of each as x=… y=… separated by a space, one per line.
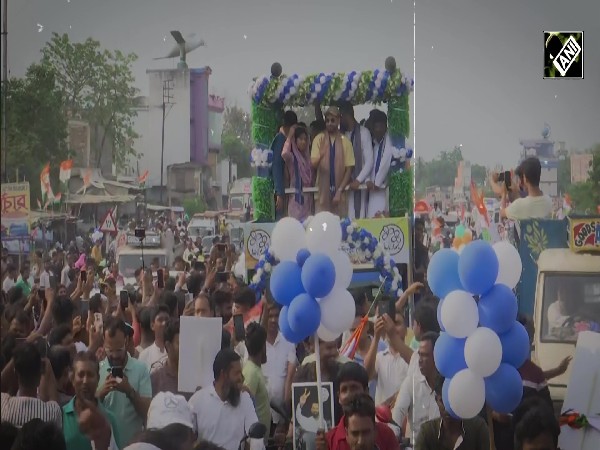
x=583 y=393
x=199 y=343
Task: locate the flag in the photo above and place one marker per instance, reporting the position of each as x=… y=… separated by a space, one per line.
x=45 y=183
x=567 y=205
x=143 y=178
x=58 y=197
x=39 y=203
x=65 y=170
x=87 y=179
x=477 y=199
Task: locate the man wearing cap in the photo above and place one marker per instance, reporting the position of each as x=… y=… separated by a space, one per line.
x=332 y=157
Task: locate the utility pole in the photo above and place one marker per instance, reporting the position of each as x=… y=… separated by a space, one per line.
x=4 y=88
x=167 y=97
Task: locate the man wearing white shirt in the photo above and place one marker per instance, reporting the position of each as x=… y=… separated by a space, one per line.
x=46 y=274
x=154 y=355
x=224 y=412
x=362 y=145
x=12 y=275
x=536 y=205
x=382 y=157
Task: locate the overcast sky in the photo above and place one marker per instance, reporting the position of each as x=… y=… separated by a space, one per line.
x=479 y=63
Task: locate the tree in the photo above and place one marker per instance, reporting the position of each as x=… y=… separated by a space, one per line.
x=586 y=196
x=232 y=147
x=36 y=125
x=237 y=123
x=564 y=175
x=97 y=85
x=479 y=174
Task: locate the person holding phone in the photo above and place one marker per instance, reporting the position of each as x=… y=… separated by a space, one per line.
x=127 y=397
x=156 y=354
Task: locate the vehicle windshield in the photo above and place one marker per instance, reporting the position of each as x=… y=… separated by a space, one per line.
x=236 y=202
x=128 y=264
x=199 y=231
x=571 y=304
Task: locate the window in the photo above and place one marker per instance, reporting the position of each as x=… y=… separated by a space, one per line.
x=571 y=304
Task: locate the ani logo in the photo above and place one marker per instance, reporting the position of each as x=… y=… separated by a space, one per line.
x=392 y=239
x=563 y=54
x=258 y=241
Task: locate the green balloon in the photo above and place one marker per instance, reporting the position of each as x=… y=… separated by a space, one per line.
x=460 y=231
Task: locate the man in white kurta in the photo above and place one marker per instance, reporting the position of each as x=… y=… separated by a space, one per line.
x=362 y=144
x=382 y=159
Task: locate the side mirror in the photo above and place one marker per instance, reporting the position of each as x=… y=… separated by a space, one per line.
x=257 y=431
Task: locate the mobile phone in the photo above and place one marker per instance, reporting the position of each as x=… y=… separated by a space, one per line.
x=124 y=299
x=189 y=297
x=238 y=328
x=85 y=308
x=117 y=372
x=52 y=282
x=98 y=322
x=199 y=266
x=222 y=277
x=83 y=276
x=160 y=282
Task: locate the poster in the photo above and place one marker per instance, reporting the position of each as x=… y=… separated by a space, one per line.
x=305 y=412
x=199 y=343
x=15 y=216
x=584 y=234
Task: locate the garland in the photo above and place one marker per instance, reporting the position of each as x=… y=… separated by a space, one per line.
x=261 y=158
x=356 y=238
x=401 y=187
x=262 y=198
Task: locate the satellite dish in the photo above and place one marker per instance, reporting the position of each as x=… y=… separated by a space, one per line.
x=183 y=47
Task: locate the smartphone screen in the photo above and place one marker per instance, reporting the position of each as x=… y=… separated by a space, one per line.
x=52 y=282
x=83 y=276
x=507 y=179
x=160 y=282
x=85 y=308
x=238 y=328
x=124 y=299
x=116 y=372
x=98 y=322
x=222 y=277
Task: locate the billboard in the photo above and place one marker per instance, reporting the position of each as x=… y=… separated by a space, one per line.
x=15 y=222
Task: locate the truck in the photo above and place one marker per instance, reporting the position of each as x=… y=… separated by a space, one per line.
x=560 y=287
x=240 y=195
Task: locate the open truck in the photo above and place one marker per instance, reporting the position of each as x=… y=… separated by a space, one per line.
x=560 y=287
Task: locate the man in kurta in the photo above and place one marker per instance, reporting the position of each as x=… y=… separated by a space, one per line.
x=362 y=145
x=278 y=168
x=332 y=157
x=382 y=153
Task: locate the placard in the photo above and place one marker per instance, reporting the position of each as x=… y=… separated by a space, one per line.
x=199 y=343
x=305 y=412
x=584 y=234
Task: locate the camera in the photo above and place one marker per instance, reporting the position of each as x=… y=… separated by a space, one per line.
x=140 y=233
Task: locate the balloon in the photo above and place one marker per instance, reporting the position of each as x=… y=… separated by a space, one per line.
x=302 y=256
x=516 y=348
x=504 y=389
x=286 y=331
x=442 y=273
x=459 y=314
x=459 y=232
x=456 y=242
x=439 y=315
x=318 y=275
x=449 y=355
x=483 y=352
x=337 y=311
x=445 y=388
x=498 y=309
x=304 y=315
x=478 y=267
x=466 y=394
x=286 y=282
x=468 y=237
x=326 y=335
x=510 y=265
x=324 y=233
x=461 y=248
x=287 y=239
x=343 y=269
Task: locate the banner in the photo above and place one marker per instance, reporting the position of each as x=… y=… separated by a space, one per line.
x=584 y=234
x=15 y=215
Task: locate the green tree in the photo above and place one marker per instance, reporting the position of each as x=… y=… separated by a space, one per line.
x=564 y=175
x=97 y=85
x=232 y=147
x=586 y=196
x=237 y=123
x=37 y=126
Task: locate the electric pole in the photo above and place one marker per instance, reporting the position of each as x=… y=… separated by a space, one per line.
x=167 y=97
x=4 y=88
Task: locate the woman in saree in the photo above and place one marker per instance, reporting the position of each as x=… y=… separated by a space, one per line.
x=296 y=155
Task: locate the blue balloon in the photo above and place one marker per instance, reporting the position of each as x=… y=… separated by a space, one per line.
x=498 y=309
x=304 y=315
x=439 y=315
x=504 y=389
x=447 y=407
x=286 y=331
x=449 y=355
x=516 y=348
x=286 y=282
x=302 y=256
x=478 y=267
x=318 y=275
x=442 y=273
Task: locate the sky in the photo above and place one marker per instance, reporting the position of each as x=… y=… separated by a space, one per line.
x=479 y=63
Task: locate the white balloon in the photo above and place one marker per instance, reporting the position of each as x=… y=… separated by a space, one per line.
x=326 y=335
x=459 y=314
x=466 y=394
x=343 y=269
x=324 y=234
x=337 y=311
x=483 y=352
x=510 y=267
x=287 y=238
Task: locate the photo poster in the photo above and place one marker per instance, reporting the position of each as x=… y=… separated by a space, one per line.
x=305 y=412
x=199 y=343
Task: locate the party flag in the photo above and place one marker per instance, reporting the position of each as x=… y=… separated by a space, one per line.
x=46 y=189
x=143 y=178
x=477 y=199
x=87 y=179
x=65 y=170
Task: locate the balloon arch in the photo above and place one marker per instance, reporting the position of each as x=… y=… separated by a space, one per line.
x=271 y=93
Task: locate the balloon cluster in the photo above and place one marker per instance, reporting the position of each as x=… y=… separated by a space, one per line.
x=260 y=157
x=481 y=345
x=312 y=278
x=462 y=236
x=97 y=236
